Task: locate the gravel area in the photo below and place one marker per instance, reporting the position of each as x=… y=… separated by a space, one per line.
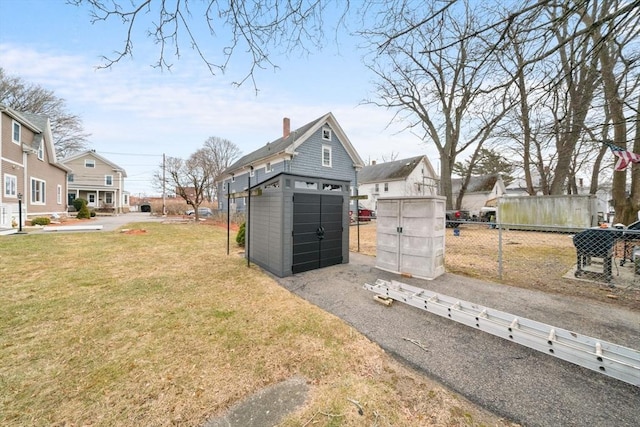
x=523 y=385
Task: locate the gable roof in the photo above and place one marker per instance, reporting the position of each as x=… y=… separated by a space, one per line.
x=40 y=125
x=477 y=184
x=21 y=117
x=93 y=153
x=289 y=144
x=389 y=171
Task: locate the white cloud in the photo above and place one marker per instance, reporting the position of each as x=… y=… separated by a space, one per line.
x=136 y=109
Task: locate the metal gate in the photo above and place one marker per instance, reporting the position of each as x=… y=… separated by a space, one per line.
x=317 y=231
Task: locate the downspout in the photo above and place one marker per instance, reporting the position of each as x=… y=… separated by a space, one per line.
x=25 y=187
x=119 y=194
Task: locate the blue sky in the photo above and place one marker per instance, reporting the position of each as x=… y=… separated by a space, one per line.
x=135 y=112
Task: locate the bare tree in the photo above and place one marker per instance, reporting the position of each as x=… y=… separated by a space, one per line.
x=391 y=157
x=68 y=134
x=618 y=67
x=220 y=153
x=262 y=27
x=442 y=93
x=189 y=178
x=257 y=28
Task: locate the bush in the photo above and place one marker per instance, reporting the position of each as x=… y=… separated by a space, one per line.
x=240 y=235
x=41 y=221
x=84 y=213
x=92 y=213
x=77 y=203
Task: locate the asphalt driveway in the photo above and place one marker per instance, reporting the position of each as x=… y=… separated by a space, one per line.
x=518 y=383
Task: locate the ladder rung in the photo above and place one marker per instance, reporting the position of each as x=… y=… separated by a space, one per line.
x=613 y=360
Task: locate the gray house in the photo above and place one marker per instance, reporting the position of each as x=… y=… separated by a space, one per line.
x=318 y=149
x=294 y=193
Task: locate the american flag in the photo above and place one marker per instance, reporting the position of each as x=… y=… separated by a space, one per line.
x=624 y=157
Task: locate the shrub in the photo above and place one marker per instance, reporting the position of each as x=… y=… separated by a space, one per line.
x=92 y=213
x=240 y=235
x=84 y=213
x=41 y=221
x=77 y=203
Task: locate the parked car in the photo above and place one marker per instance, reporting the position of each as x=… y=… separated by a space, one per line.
x=364 y=214
x=455 y=217
x=201 y=212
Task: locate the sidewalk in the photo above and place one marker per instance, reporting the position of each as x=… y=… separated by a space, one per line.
x=518 y=383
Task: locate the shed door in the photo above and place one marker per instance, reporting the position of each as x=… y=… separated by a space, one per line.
x=317 y=231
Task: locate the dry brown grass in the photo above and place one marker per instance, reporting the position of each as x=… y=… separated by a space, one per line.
x=162 y=328
x=531 y=260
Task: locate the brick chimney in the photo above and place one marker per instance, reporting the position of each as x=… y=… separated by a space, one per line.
x=286 y=127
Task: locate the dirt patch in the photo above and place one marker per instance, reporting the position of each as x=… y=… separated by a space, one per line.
x=221 y=223
x=135 y=232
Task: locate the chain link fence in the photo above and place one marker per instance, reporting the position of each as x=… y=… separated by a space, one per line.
x=543 y=256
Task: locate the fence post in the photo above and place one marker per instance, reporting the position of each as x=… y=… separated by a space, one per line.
x=499 y=251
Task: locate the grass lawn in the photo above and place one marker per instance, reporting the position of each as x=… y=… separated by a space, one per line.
x=530 y=260
x=163 y=328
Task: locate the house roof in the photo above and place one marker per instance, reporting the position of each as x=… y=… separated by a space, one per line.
x=39 y=124
x=93 y=153
x=477 y=184
x=284 y=145
x=389 y=171
x=22 y=118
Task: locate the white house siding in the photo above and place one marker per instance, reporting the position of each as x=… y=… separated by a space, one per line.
x=400 y=188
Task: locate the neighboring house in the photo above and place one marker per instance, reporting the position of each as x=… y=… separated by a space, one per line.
x=31 y=175
x=482 y=191
x=97 y=180
x=318 y=149
x=407 y=177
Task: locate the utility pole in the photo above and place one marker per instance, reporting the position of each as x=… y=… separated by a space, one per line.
x=164 y=185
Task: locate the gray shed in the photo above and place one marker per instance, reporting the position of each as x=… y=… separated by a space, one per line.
x=298 y=223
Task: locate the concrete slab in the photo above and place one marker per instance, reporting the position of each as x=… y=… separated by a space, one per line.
x=265 y=408
x=72 y=227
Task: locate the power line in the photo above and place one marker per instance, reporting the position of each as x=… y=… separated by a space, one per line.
x=130 y=154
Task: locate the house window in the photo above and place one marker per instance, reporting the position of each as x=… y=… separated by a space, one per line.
x=326 y=134
x=108 y=180
x=59 y=194
x=108 y=198
x=125 y=199
x=376 y=188
x=386 y=186
x=268 y=168
x=70 y=177
x=89 y=163
x=41 y=150
x=17 y=131
x=37 y=191
x=326 y=156
x=10 y=185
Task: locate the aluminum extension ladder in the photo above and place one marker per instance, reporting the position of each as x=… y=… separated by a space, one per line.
x=610 y=359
